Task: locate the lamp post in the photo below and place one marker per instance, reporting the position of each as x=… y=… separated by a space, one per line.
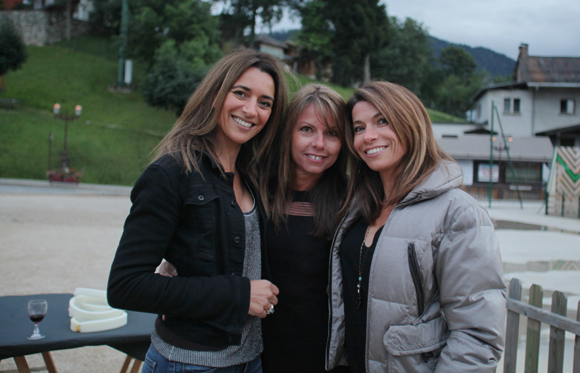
x=64 y=116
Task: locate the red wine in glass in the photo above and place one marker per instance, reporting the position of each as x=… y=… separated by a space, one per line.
x=36 y=311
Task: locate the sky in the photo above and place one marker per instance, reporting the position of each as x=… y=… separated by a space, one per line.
x=549 y=27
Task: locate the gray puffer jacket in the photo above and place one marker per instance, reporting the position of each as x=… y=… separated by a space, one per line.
x=436 y=297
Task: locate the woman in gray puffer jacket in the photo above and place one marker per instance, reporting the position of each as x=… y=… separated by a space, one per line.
x=416 y=282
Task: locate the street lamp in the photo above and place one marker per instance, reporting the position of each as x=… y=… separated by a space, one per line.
x=66 y=118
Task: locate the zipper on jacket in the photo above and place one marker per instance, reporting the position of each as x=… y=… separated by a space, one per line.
x=414 y=267
x=329 y=289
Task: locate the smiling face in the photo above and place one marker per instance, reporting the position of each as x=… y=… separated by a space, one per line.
x=375 y=141
x=315 y=147
x=246 y=109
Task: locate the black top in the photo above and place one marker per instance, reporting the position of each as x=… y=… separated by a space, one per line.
x=193 y=221
x=295 y=335
x=355 y=313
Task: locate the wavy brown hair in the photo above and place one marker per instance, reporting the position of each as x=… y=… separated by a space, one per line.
x=196 y=129
x=329 y=191
x=408 y=118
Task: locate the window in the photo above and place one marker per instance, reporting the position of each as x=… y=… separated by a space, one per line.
x=507 y=105
x=526 y=172
x=511 y=105
x=567 y=106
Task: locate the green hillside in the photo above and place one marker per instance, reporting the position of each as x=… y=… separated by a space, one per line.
x=111 y=141
x=116 y=133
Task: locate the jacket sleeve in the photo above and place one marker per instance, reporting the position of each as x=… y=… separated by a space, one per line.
x=221 y=300
x=470 y=276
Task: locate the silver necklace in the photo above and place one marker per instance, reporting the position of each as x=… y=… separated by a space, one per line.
x=361 y=264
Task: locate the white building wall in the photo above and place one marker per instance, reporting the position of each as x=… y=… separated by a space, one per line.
x=467 y=168
x=450 y=129
x=515 y=124
x=83 y=10
x=547 y=111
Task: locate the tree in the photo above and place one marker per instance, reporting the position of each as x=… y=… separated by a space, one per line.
x=183 y=22
x=360 y=29
x=353 y=29
x=456 y=61
x=105 y=19
x=12 y=49
x=155 y=22
x=239 y=16
x=459 y=81
x=171 y=83
x=405 y=59
x=315 y=37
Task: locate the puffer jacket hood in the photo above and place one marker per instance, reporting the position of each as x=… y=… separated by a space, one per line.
x=446 y=176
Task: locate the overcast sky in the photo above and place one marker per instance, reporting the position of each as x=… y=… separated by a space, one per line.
x=549 y=27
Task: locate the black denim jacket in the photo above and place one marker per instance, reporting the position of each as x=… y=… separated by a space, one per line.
x=196 y=224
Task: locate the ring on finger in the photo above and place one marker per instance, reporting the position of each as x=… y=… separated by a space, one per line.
x=271 y=310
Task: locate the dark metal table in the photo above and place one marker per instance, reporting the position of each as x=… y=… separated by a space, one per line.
x=132 y=339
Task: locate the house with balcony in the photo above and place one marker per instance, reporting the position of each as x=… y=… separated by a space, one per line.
x=537 y=110
x=541 y=100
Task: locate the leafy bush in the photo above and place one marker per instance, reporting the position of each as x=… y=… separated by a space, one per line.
x=171 y=83
x=12 y=49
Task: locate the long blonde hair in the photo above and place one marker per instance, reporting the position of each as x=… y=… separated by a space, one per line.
x=408 y=118
x=196 y=129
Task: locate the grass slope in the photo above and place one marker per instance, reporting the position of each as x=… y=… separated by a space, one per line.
x=112 y=142
x=113 y=139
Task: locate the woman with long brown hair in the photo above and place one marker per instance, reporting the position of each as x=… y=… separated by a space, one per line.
x=197 y=205
x=416 y=275
x=304 y=194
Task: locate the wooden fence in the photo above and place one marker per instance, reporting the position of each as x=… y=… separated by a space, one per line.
x=559 y=324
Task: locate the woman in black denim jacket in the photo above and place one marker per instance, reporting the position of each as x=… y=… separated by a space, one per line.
x=196 y=206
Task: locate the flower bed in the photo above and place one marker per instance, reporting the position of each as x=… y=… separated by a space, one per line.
x=64 y=175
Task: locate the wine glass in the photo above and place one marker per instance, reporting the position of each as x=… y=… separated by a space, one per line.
x=36 y=311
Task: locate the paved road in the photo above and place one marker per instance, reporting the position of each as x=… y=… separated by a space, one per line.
x=54 y=238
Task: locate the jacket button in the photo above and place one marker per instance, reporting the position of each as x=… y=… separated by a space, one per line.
x=201 y=198
x=237 y=240
x=232 y=203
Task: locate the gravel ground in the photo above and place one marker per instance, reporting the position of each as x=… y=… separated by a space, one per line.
x=54 y=243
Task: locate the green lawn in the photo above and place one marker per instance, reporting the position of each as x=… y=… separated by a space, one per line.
x=112 y=141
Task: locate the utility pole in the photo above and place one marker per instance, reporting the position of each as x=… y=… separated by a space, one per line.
x=123 y=47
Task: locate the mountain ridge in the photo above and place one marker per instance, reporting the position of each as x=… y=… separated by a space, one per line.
x=494 y=63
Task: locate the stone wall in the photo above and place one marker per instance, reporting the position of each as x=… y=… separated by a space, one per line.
x=41 y=27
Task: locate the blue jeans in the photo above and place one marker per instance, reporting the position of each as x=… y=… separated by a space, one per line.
x=157 y=363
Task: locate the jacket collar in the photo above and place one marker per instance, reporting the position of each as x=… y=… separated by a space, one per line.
x=217 y=168
x=446 y=176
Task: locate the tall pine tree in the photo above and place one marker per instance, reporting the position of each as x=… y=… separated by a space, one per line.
x=357 y=28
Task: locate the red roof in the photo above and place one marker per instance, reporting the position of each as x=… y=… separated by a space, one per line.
x=533 y=69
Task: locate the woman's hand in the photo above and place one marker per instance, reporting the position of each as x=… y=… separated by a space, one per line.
x=262 y=297
x=166 y=269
